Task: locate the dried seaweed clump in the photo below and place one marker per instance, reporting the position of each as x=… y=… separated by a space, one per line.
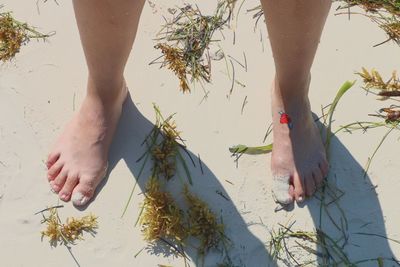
x=161 y=217
x=186 y=41
x=163 y=148
x=392 y=114
x=374 y=6
x=13 y=35
x=203 y=223
x=174 y=60
x=385 y=13
x=164 y=152
x=374 y=80
x=70 y=231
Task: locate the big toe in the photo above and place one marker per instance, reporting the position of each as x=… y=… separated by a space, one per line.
x=83 y=191
x=282 y=189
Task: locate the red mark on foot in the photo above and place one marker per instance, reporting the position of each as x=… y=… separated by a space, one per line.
x=285 y=119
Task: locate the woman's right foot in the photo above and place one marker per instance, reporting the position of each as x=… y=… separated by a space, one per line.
x=78 y=160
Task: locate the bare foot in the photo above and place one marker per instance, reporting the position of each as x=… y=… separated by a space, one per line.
x=298 y=161
x=78 y=161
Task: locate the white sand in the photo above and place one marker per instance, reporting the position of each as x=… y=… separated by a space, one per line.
x=40 y=89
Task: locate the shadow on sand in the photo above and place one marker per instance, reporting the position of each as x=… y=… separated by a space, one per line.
x=247 y=249
x=359 y=213
x=355 y=218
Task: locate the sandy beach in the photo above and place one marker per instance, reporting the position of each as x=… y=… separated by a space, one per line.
x=44 y=85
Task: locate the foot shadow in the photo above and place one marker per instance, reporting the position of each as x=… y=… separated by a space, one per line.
x=355 y=216
x=248 y=250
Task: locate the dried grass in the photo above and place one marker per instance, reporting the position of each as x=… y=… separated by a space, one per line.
x=14 y=34
x=68 y=232
x=185 y=41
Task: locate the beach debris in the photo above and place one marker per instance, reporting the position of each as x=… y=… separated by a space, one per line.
x=161 y=217
x=373 y=80
x=14 y=34
x=392 y=114
x=258 y=13
x=203 y=223
x=165 y=148
x=375 y=6
x=295 y=248
x=68 y=232
x=385 y=13
x=327 y=244
x=162 y=220
x=243 y=149
x=164 y=153
x=185 y=42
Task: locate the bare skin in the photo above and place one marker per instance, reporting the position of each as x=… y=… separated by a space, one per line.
x=79 y=158
x=107 y=29
x=78 y=161
x=298 y=156
x=298 y=161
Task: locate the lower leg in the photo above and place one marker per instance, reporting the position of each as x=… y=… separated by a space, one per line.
x=78 y=160
x=107 y=30
x=294 y=28
x=298 y=159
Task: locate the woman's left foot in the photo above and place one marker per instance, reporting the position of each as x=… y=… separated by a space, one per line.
x=298 y=161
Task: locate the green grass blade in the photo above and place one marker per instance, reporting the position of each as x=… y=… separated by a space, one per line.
x=242 y=149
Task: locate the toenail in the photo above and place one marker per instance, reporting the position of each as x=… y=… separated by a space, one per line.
x=64 y=196
x=300 y=199
x=55 y=187
x=79 y=199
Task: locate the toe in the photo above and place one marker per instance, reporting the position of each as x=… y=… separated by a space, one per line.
x=309 y=185
x=318 y=178
x=291 y=193
x=281 y=189
x=299 y=192
x=54 y=170
x=84 y=191
x=69 y=185
x=59 y=181
x=51 y=159
x=324 y=166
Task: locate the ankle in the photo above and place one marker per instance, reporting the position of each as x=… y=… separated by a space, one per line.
x=291 y=93
x=293 y=86
x=107 y=90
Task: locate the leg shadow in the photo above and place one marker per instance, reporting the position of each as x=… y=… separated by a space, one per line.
x=353 y=217
x=248 y=250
